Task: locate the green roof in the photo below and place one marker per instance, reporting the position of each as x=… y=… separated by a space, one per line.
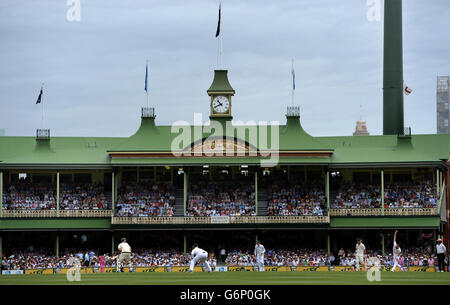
x=220 y=83
x=94 y=151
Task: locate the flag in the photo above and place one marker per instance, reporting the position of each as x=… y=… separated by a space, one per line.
x=146 y=77
x=408 y=90
x=218 y=24
x=39 y=97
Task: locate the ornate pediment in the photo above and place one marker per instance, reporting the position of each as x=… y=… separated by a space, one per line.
x=219 y=146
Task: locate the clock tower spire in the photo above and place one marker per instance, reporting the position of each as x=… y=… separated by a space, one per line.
x=220 y=92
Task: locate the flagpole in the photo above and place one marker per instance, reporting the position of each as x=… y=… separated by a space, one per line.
x=42 y=104
x=147 y=84
x=293 y=80
x=219 y=55
x=219 y=41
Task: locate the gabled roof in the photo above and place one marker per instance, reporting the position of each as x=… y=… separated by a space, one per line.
x=94 y=151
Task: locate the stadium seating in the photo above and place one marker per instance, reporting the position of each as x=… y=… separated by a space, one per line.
x=221 y=199
x=144 y=199
x=294 y=199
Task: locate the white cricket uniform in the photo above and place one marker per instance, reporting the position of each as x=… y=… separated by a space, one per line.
x=259 y=253
x=359 y=255
x=396 y=253
x=125 y=254
x=440 y=249
x=199 y=255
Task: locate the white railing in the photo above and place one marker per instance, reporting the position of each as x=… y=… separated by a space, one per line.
x=442 y=203
x=232 y=220
x=356 y=212
x=293 y=111
x=148 y=112
x=387 y=212
x=43 y=134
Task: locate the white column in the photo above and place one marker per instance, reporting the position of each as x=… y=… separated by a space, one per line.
x=327 y=189
x=256 y=193
x=1 y=197
x=185 y=191
x=113 y=191
x=57 y=194
x=382 y=192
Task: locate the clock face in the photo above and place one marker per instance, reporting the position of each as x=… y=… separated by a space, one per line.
x=221 y=104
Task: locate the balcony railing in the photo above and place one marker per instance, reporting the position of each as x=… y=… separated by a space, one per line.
x=293 y=111
x=148 y=112
x=387 y=212
x=218 y=220
x=54 y=213
x=213 y=220
x=43 y=134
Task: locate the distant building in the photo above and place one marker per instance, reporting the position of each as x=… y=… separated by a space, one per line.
x=442 y=104
x=2 y=132
x=361 y=128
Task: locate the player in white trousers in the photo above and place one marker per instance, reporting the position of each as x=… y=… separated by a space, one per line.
x=199 y=255
x=360 y=251
x=396 y=251
x=125 y=255
x=259 y=253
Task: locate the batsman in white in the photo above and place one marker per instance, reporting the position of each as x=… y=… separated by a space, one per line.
x=199 y=255
x=360 y=251
x=125 y=254
x=259 y=253
x=396 y=251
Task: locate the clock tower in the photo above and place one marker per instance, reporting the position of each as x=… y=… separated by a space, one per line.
x=220 y=92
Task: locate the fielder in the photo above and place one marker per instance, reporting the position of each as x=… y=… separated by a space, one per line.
x=125 y=254
x=199 y=255
x=259 y=253
x=360 y=251
x=396 y=251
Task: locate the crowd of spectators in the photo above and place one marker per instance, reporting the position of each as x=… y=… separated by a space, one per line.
x=91 y=258
x=221 y=199
x=358 y=196
x=146 y=199
x=422 y=256
x=419 y=194
x=319 y=257
x=83 y=197
x=293 y=199
x=171 y=257
x=24 y=195
x=411 y=195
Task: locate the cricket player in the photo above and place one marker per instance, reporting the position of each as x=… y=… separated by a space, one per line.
x=259 y=253
x=396 y=251
x=199 y=255
x=360 y=251
x=125 y=253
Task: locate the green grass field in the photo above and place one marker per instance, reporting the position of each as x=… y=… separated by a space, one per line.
x=233 y=278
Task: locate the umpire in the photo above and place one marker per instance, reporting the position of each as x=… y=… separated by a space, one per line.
x=441 y=251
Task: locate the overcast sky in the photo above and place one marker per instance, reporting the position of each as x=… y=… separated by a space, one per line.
x=94 y=69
